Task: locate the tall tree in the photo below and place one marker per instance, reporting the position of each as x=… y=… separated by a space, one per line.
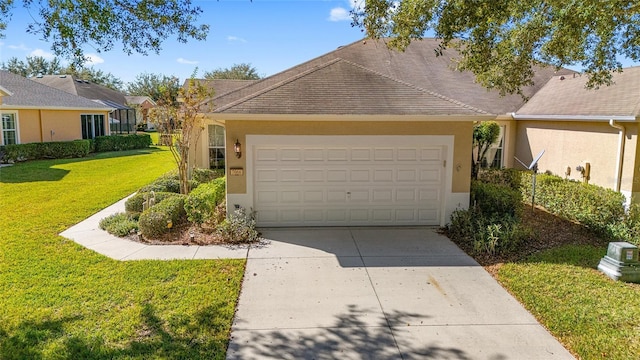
x=138 y=26
x=162 y=89
x=183 y=123
x=242 y=71
x=33 y=66
x=38 y=65
x=500 y=40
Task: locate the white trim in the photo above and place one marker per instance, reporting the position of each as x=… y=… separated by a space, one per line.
x=448 y=203
x=573 y=117
x=25 y=107
x=17 y=129
x=5 y=92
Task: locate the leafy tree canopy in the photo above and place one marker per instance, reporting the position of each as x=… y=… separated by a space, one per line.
x=500 y=40
x=238 y=72
x=38 y=65
x=162 y=89
x=139 y=25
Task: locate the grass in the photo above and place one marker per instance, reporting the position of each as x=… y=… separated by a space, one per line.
x=59 y=300
x=592 y=315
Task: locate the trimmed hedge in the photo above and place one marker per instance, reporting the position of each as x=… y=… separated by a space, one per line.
x=46 y=150
x=201 y=203
x=593 y=206
x=122 y=142
x=154 y=221
x=134 y=204
x=493 y=199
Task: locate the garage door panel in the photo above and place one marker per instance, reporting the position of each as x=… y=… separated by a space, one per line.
x=297 y=185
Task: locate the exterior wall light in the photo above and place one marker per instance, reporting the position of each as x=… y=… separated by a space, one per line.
x=237 y=148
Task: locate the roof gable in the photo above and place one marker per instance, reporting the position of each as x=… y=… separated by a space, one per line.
x=567 y=95
x=84 y=88
x=28 y=93
x=338 y=87
x=417 y=67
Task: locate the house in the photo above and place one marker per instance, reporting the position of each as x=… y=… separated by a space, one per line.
x=587 y=135
x=141 y=105
x=362 y=135
x=121 y=120
x=32 y=112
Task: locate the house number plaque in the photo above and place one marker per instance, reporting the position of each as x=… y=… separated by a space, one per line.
x=236 y=171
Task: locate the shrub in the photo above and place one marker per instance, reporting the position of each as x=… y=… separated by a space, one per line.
x=119 y=224
x=240 y=227
x=487 y=234
x=135 y=204
x=204 y=175
x=162 y=184
x=493 y=199
x=122 y=142
x=46 y=150
x=593 y=206
x=510 y=178
x=154 y=221
x=201 y=203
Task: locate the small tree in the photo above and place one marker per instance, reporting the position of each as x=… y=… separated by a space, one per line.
x=484 y=134
x=183 y=124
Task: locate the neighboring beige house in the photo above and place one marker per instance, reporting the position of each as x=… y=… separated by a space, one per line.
x=362 y=135
x=32 y=112
x=122 y=119
x=142 y=105
x=594 y=130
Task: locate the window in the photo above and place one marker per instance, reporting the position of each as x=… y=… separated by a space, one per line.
x=92 y=126
x=216 y=147
x=9 y=129
x=494 y=156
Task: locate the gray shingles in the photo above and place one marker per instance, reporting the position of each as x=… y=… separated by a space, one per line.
x=28 y=93
x=567 y=95
x=333 y=93
x=86 y=89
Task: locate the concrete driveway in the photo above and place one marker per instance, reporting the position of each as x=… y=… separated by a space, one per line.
x=377 y=293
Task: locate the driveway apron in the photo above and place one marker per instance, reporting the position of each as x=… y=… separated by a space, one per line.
x=377 y=293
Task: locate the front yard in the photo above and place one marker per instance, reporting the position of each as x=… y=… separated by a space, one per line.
x=59 y=300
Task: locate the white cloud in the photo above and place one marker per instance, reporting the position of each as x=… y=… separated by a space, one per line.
x=93 y=59
x=339 y=14
x=45 y=54
x=235 y=38
x=21 y=47
x=187 y=62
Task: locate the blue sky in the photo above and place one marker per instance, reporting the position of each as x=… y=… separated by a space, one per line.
x=271 y=35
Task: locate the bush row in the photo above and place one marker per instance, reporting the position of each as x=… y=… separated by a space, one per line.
x=121 y=142
x=202 y=201
x=159 y=219
x=45 y=150
x=135 y=205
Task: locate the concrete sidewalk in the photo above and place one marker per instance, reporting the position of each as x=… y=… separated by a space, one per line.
x=88 y=234
x=378 y=293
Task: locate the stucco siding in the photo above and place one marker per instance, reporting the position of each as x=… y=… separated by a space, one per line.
x=571 y=144
x=51 y=125
x=462 y=131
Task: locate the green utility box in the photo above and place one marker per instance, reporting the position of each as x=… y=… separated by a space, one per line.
x=621 y=262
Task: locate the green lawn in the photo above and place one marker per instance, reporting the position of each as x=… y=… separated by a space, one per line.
x=59 y=300
x=594 y=316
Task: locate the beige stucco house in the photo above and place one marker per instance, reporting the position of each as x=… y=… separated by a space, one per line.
x=587 y=135
x=32 y=112
x=362 y=135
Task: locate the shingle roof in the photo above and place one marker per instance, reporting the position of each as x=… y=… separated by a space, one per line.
x=361 y=78
x=30 y=94
x=84 y=88
x=137 y=100
x=567 y=95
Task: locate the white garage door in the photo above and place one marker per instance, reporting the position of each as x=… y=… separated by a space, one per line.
x=348 y=181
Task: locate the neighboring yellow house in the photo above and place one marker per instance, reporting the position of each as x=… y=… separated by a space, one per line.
x=32 y=112
x=587 y=135
x=362 y=135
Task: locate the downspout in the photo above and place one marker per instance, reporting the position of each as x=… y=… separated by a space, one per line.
x=621 y=140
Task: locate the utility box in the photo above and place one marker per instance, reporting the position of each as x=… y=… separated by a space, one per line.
x=621 y=262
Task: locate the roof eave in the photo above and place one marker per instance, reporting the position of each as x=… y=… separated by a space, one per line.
x=29 y=107
x=627 y=118
x=346 y=117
